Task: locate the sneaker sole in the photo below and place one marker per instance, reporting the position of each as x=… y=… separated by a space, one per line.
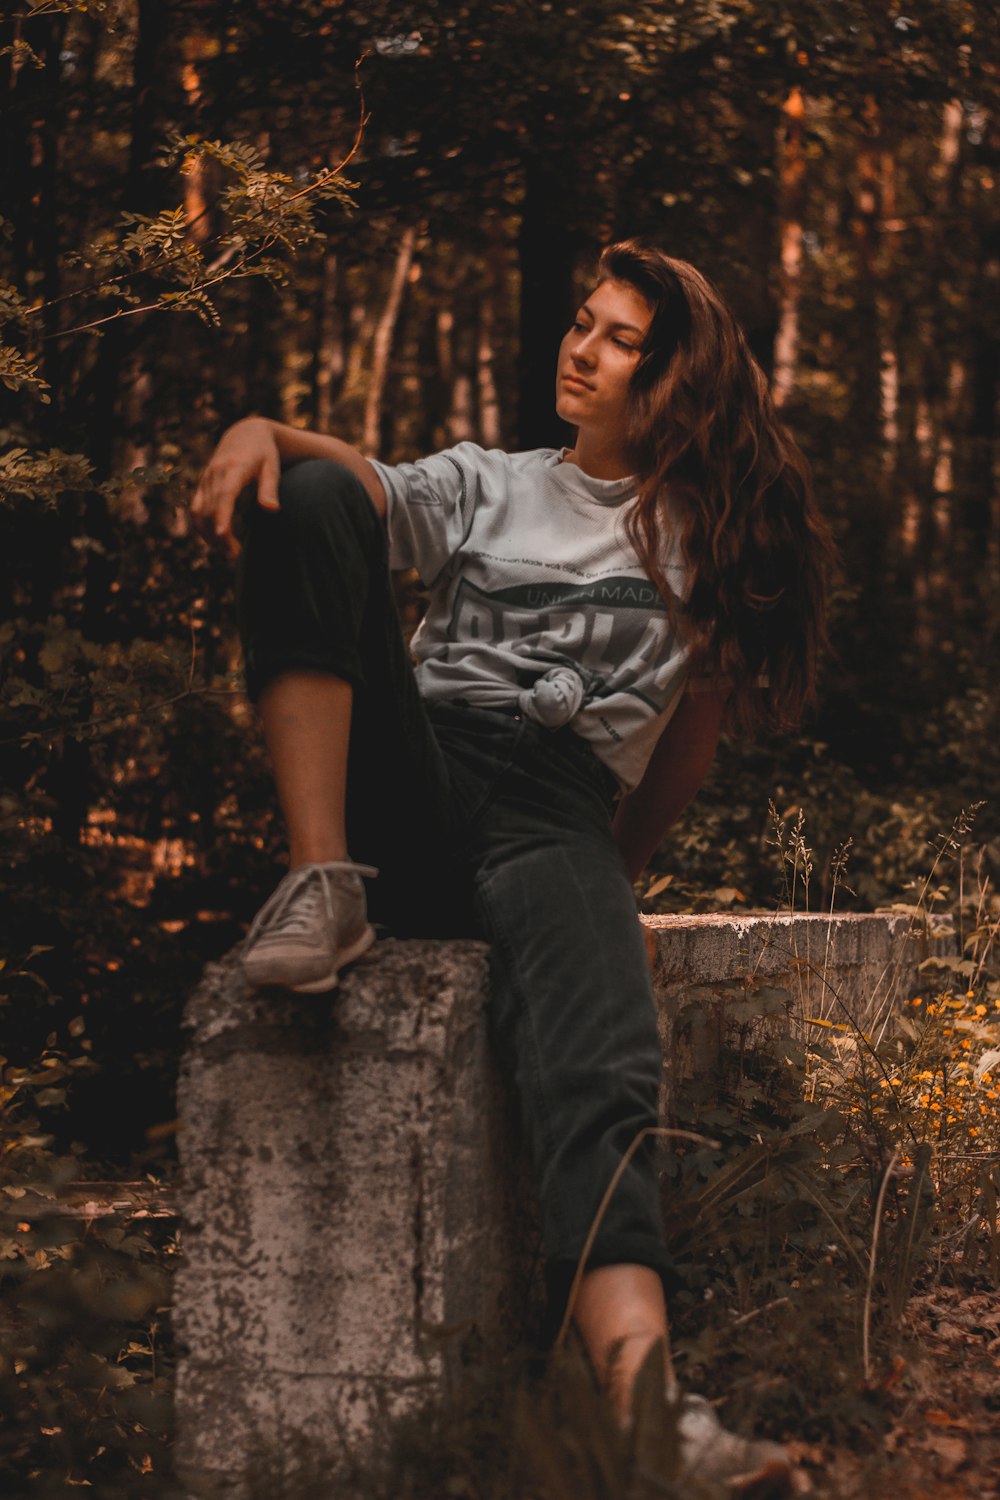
x=344 y=957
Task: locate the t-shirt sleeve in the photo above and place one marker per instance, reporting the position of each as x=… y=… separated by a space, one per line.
x=429 y=509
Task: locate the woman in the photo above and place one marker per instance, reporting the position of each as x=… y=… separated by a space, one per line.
x=593 y=615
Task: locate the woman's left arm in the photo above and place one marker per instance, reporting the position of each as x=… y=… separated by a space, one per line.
x=678 y=766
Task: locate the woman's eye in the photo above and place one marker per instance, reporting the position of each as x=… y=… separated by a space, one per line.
x=624 y=344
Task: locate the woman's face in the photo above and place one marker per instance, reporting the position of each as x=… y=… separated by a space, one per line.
x=598 y=356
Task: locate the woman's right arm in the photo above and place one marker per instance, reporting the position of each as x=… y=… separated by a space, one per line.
x=677 y=767
x=253 y=451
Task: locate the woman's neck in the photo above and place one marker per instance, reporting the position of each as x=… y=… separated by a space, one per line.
x=600 y=458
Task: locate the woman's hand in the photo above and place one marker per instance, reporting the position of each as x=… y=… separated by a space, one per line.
x=246 y=454
x=252 y=452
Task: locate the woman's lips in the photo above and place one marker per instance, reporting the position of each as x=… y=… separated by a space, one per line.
x=574 y=383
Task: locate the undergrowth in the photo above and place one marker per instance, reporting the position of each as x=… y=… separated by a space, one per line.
x=85 y=1363
x=800 y=1232
x=800 y=1225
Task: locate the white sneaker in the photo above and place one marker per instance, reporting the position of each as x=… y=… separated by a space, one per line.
x=743 y=1467
x=314 y=923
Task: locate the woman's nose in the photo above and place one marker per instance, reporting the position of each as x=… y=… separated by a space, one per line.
x=584 y=350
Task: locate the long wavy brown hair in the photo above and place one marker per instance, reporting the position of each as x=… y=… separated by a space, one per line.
x=720 y=475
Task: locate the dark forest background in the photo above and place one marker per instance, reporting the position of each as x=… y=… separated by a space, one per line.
x=374 y=220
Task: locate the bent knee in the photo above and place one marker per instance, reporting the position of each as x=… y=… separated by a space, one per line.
x=319 y=502
x=311 y=490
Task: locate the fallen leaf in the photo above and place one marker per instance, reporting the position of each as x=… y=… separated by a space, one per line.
x=895 y=1375
x=938 y=1418
x=951 y=1452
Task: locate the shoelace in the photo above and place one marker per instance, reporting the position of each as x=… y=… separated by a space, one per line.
x=291 y=908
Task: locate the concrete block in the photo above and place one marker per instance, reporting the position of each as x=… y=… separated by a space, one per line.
x=846 y=968
x=856 y=961
x=355 y=1217
x=347 y=1225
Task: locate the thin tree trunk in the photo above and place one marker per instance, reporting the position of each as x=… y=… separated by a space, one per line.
x=382 y=342
x=290 y=355
x=355 y=312
x=265 y=348
x=489 y=400
x=792 y=174
x=546 y=259
x=441 y=389
x=34 y=118
x=136 y=384
x=15 y=159
x=940 y=389
x=444 y=327
x=47 y=227
x=195 y=196
x=461 y=420
x=976 y=489
x=874 y=526
x=866 y=226
x=140 y=189
x=328 y=346
x=461 y=403
x=137 y=394
x=99 y=395
x=889 y=359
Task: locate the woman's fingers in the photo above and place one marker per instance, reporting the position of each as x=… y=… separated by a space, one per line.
x=199 y=499
x=214 y=500
x=267 y=483
x=247 y=454
x=227 y=490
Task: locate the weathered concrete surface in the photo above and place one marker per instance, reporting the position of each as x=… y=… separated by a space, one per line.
x=828 y=963
x=346 y=1169
x=844 y=968
x=354 y=1216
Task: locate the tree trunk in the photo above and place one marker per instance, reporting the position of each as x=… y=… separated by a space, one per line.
x=382 y=342
x=16 y=159
x=464 y=385
x=873 y=526
x=977 y=456
x=355 y=312
x=328 y=346
x=930 y=499
x=889 y=357
x=792 y=176
x=47 y=221
x=139 y=194
x=34 y=115
x=99 y=394
x=489 y=400
x=291 y=357
x=196 y=197
x=546 y=259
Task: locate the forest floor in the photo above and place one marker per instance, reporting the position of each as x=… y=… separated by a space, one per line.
x=838 y=1285
x=927 y=1431
x=942 y=1439
x=771 y=1325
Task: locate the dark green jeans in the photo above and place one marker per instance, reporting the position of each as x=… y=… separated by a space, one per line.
x=481 y=823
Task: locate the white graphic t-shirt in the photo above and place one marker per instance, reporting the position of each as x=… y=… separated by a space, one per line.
x=537 y=598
